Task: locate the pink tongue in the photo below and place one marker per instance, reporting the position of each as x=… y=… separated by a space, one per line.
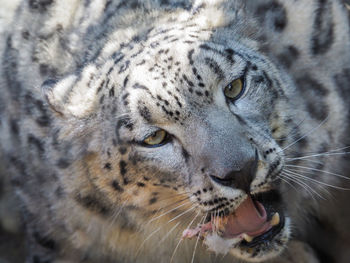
x=248 y=218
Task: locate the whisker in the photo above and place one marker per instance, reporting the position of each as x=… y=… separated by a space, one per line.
x=307 y=173
x=181 y=239
x=169 y=211
x=291 y=131
x=146 y=239
x=286 y=181
x=168 y=205
x=120 y=209
x=149 y=222
x=165 y=207
x=117 y=212
x=305 y=186
x=199 y=234
x=170 y=231
x=305 y=181
x=212 y=218
x=257 y=91
x=184 y=193
x=301 y=184
x=330 y=151
x=185 y=212
x=340 y=149
x=309 y=161
x=306 y=134
x=317 y=170
x=317 y=181
x=163 y=226
x=173 y=203
x=317 y=155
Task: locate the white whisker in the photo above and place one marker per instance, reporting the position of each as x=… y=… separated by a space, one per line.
x=306 y=134
x=317 y=170
x=340 y=149
x=174 y=195
x=301 y=184
x=305 y=180
x=147 y=238
x=169 y=211
x=316 y=155
x=120 y=209
x=185 y=212
x=291 y=131
x=286 y=181
x=309 y=161
x=195 y=246
x=117 y=213
x=307 y=188
x=330 y=151
x=165 y=225
x=181 y=239
x=170 y=231
x=167 y=206
x=317 y=181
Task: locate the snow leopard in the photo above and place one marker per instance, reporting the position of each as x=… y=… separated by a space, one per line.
x=178 y=130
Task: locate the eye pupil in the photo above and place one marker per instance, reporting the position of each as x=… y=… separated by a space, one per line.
x=234 y=90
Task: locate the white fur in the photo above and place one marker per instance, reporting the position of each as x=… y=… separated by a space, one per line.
x=220 y=245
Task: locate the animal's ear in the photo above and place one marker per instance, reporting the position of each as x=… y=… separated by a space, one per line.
x=74 y=95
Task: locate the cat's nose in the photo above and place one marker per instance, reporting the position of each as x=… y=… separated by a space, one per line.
x=239 y=178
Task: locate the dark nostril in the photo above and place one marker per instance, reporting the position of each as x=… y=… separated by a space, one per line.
x=239 y=179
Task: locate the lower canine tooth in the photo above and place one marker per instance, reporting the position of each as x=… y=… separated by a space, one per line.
x=275 y=220
x=247 y=238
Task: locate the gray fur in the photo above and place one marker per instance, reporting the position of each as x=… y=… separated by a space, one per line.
x=83 y=83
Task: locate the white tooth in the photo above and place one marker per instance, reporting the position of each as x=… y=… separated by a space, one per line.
x=275 y=220
x=247 y=238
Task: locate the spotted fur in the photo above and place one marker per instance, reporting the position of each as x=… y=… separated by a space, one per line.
x=83 y=83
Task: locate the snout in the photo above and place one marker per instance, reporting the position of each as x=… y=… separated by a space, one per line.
x=239 y=178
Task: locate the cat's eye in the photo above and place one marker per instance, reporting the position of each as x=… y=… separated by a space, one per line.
x=156 y=139
x=234 y=90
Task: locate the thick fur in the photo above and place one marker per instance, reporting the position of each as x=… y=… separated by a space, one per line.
x=83 y=83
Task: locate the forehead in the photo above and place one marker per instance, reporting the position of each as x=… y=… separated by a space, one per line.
x=173 y=67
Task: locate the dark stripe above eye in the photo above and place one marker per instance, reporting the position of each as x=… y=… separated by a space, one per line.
x=211 y=63
x=228 y=54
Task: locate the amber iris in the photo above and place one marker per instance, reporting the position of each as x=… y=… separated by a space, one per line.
x=157 y=138
x=234 y=90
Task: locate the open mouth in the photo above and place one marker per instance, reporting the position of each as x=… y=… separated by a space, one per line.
x=275 y=219
x=256 y=221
